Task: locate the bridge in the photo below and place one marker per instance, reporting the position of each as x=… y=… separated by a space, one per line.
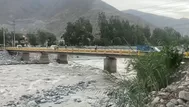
x=110 y=62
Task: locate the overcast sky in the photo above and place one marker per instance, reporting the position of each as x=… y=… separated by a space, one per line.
x=171 y=8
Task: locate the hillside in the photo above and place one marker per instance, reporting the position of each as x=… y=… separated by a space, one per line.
x=53 y=15
x=181 y=25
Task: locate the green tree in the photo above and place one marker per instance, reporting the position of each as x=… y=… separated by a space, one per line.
x=8 y=38
x=44 y=36
x=78 y=33
x=117 y=41
x=41 y=37
x=32 y=39
x=147 y=34
x=51 y=38
x=1 y=36
x=165 y=36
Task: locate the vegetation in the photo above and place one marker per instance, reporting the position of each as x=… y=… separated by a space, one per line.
x=113 y=31
x=154 y=71
x=79 y=33
x=38 y=38
x=9 y=37
x=44 y=37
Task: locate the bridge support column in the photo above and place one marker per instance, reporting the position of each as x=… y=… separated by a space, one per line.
x=25 y=56
x=44 y=58
x=110 y=64
x=62 y=58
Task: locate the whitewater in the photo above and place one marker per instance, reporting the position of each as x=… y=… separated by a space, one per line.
x=83 y=77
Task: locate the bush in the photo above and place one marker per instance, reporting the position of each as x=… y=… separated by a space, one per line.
x=130 y=94
x=154 y=71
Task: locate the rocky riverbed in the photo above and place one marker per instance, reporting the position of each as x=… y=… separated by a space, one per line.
x=175 y=95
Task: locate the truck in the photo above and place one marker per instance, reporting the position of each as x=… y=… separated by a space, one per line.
x=147 y=48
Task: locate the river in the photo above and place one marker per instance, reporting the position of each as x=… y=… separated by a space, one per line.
x=19 y=80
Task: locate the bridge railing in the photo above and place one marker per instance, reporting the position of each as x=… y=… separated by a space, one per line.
x=80 y=50
x=77 y=50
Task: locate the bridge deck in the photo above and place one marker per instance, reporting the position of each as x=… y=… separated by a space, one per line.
x=79 y=51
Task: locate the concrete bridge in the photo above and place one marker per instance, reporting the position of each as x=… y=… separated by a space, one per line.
x=110 y=62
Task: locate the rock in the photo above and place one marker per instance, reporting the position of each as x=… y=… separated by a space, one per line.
x=77 y=100
x=162 y=100
x=59 y=101
x=170 y=104
x=163 y=94
x=174 y=101
x=181 y=87
x=161 y=106
x=155 y=101
x=180 y=101
x=180 y=106
x=184 y=95
x=32 y=104
x=19 y=106
x=43 y=101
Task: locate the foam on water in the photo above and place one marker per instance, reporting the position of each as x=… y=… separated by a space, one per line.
x=5 y=58
x=27 y=79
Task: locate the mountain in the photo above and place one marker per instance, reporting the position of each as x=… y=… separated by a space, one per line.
x=54 y=15
x=181 y=25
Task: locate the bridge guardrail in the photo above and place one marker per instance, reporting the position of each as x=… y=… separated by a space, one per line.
x=77 y=50
x=85 y=51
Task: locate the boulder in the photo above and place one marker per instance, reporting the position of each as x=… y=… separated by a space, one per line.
x=170 y=104
x=32 y=104
x=155 y=101
x=184 y=95
x=174 y=101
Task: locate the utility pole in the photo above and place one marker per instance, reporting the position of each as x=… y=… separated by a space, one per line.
x=4 y=37
x=14 y=24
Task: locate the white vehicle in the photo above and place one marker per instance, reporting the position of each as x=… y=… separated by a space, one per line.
x=19 y=46
x=157 y=49
x=54 y=47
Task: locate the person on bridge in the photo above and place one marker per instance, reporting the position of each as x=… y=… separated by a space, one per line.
x=95 y=47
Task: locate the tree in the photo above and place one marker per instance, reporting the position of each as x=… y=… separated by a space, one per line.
x=41 y=37
x=32 y=39
x=78 y=33
x=19 y=37
x=8 y=38
x=117 y=41
x=165 y=36
x=147 y=34
x=44 y=36
x=1 y=36
x=51 y=38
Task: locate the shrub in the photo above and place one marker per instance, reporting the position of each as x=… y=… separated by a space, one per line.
x=154 y=71
x=130 y=94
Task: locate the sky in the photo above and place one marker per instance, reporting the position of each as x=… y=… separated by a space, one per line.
x=171 y=8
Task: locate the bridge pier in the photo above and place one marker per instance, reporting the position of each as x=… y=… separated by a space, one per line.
x=110 y=64
x=62 y=58
x=44 y=58
x=25 y=56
